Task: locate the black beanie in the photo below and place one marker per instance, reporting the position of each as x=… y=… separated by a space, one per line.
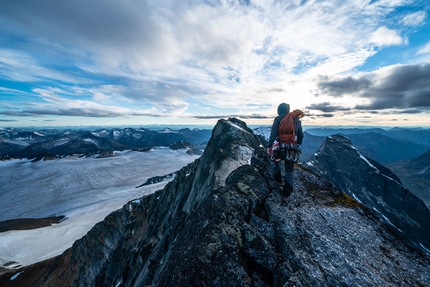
x=283 y=109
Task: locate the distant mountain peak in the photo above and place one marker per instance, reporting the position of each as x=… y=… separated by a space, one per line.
x=374 y=185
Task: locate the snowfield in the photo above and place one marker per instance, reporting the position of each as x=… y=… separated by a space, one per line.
x=84 y=190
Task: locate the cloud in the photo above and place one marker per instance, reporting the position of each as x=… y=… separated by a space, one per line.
x=224 y=116
x=398 y=87
x=342 y=86
x=327 y=115
x=79 y=112
x=425 y=49
x=415 y=19
x=414 y=111
x=326 y=107
x=385 y=37
x=10 y=91
x=131 y=58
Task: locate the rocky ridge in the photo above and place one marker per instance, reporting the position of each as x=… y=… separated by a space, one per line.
x=377 y=187
x=219 y=222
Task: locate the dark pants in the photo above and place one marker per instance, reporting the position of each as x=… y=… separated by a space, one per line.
x=289 y=176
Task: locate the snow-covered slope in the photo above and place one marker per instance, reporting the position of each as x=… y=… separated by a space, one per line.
x=85 y=190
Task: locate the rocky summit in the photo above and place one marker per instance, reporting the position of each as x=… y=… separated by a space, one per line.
x=220 y=222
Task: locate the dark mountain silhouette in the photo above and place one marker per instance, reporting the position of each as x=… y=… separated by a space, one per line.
x=384 y=146
x=219 y=222
x=414 y=135
x=415 y=175
x=374 y=185
x=310 y=145
x=385 y=149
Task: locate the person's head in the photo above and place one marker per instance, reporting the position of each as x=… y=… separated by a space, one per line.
x=283 y=109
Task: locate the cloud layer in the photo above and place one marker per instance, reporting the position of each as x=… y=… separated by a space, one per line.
x=207 y=59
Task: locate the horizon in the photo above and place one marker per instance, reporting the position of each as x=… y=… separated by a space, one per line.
x=202 y=127
x=358 y=63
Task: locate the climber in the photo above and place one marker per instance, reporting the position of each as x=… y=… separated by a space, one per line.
x=286 y=129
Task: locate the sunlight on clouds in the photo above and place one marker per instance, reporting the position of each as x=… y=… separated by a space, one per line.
x=58 y=105
x=168 y=58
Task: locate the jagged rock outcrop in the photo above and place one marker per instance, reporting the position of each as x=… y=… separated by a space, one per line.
x=220 y=223
x=339 y=162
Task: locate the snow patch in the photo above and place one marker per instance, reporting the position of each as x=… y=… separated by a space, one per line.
x=387 y=220
x=88 y=140
x=168 y=131
x=263 y=131
x=16 y=276
x=355 y=197
x=238 y=127
x=365 y=159
x=61 y=142
x=428 y=250
x=21 y=143
x=390 y=179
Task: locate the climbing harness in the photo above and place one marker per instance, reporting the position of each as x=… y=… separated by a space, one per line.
x=286 y=151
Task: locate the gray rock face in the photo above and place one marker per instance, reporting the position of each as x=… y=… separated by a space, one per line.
x=220 y=223
x=339 y=162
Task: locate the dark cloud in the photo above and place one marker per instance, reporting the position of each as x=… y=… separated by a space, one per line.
x=84 y=112
x=410 y=112
x=396 y=87
x=326 y=107
x=340 y=87
x=311 y=115
x=2 y=120
x=209 y=117
x=98 y=23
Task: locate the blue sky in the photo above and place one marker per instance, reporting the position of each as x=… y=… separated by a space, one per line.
x=137 y=62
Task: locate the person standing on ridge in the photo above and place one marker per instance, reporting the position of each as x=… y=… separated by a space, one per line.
x=286 y=128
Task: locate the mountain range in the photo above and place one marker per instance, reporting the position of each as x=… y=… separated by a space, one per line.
x=220 y=222
x=394 y=147
x=49 y=143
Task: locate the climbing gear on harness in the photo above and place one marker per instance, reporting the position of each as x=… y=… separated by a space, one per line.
x=285 y=146
x=286 y=151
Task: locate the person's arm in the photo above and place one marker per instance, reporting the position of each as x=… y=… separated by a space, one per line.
x=299 y=132
x=273 y=135
x=273 y=132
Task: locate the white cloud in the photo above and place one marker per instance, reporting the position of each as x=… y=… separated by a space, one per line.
x=218 y=54
x=415 y=19
x=425 y=49
x=385 y=37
